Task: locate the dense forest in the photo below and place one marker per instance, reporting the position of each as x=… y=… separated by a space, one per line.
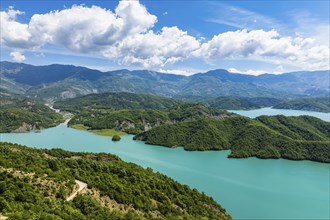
x=139 y=120
x=321 y=104
x=295 y=138
x=34 y=184
x=56 y=82
x=238 y=103
x=115 y=101
x=21 y=115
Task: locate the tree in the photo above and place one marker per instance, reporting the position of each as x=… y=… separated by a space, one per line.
x=116 y=138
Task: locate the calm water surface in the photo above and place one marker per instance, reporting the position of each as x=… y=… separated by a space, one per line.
x=248 y=188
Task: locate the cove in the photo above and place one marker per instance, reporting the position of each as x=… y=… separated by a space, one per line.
x=287 y=112
x=248 y=188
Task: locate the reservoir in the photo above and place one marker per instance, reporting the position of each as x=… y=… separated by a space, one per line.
x=247 y=188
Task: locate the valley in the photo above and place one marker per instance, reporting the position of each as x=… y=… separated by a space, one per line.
x=56 y=82
x=164 y=110
x=159 y=124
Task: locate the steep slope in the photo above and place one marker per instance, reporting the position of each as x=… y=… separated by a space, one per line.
x=20 y=115
x=132 y=113
x=321 y=104
x=296 y=138
x=38 y=182
x=121 y=100
x=237 y=103
x=223 y=83
x=307 y=83
x=64 y=81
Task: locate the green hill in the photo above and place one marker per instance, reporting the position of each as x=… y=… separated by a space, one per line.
x=20 y=114
x=132 y=113
x=56 y=82
x=238 y=103
x=321 y=104
x=115 y=101
x=34 y=184
x=295 y=138
x=138 y=120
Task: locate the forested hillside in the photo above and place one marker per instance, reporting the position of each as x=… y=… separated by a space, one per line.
x=35 y=183
x=54 y=82
x=295 y=138
x=113 y=101
x=237 y=103
x=321 y=104
x=139 y=120
x=21 y=114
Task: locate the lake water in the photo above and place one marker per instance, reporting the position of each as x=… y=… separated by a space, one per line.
x=248 y=188
x=287 y=112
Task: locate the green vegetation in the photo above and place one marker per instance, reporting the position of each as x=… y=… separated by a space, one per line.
x=131 y=113
x=54 y=82
x=137 y=121
x=79 y=127
x=235 y=103
x=321 y=104
x=108 y=132
x=115 y=101
x=23 y=115
x=116 y=138
x=35 y=182
x=295 y=138
x=102 y=132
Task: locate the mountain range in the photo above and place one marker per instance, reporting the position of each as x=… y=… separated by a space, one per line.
x=54 y=82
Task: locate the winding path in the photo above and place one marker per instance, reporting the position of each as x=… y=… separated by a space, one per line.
x=82 y=186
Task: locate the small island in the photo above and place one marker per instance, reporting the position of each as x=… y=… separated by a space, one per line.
x=116 y=138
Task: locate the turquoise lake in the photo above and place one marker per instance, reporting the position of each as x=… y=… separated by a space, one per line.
x=248 y=188
x=287 y=112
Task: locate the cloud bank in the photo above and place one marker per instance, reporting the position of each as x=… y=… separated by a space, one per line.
x=126 y=36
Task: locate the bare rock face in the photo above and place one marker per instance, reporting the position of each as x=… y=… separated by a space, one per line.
x=67 y=94
x=25 y=128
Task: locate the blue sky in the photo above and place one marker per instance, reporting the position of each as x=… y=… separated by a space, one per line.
x=181 y=37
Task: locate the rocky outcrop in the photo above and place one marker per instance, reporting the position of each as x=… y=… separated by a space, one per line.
x=26 y=128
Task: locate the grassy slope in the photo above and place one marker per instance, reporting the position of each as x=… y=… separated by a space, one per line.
x=102 y=132
x=294 y=138
x=36 y=182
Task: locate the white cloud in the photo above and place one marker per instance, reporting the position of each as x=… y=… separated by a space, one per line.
x=248 y=72
x=177 y=72
x=267 y=46
x=126 y=36
x=151 y=49
x=89 y=29
x=17 y=56
x=254 y=72
x=13 y=33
